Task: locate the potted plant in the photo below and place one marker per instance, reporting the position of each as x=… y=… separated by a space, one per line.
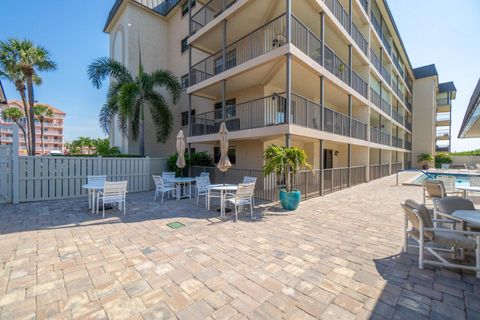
x=424 y=158
x=285 y=163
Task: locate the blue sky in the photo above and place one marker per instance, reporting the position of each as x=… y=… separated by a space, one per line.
x=432 y=31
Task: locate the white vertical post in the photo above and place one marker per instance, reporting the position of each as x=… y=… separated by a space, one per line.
x=99 y=166
x=15 y=173
x=147 y=173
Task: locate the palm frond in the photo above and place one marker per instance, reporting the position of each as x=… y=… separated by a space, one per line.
x=109 y=109
x=135 y=120
x=165 y=78
x=161 y=115
x=128 y=95
x=105 y=67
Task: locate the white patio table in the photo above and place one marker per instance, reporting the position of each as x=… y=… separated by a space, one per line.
x=94 y=187
x=467 y=188
x=223 y=188
x=471 y=217
x=184 y=187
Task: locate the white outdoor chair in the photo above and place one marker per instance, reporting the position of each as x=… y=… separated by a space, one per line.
x=202 y=184
x=161 y=186
x=243 y=196
x=113 y=192
x=210 y=193
x=438 y=240
x=447 y=206
x=94 y=180
x=246 y=180
x=474 y=181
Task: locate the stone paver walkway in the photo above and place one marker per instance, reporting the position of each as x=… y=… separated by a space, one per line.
x=336 y=257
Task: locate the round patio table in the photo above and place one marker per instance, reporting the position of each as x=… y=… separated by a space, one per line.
x=183 y=186
x=223 y=188
x=467 y=188
x=471 y=217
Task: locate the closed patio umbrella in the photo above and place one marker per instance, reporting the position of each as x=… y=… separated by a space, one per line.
x=224 y=163
x=181 y=151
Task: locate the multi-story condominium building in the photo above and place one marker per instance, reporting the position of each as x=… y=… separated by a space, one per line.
x=53 y=131
x=329 y=76
x=471 y=122
x=433 y=114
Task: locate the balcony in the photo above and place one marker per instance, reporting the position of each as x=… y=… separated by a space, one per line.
x=386 y=106
x=364 y=5
x=408 y=145
x=408 y=125
x=381 y=34
x=259 y=42
x=397 y=117
x=208 y=12
x=442 y=148
x=443 y=134
x=397 y=142
x=443 y=102
x=271 y=110
x=344 y=18
x=377 y=136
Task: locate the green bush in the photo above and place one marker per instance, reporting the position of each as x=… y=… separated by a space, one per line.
x=475 y=152
x=442 y=158
x=198 y=159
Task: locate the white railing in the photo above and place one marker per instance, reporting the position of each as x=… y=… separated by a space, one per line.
x=48 y=177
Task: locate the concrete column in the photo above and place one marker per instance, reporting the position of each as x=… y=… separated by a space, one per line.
x=350 y=73
x=350 y=12
x=322 y=180
x=322 y=102
x=350 y=113
x=224 y=99
x=189 y=81
x=288 y=140
x=288 y=5
x=349 y=165
x=322 y=36
x=224 y=45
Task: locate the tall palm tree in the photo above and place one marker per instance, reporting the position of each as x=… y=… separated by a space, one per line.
x=16 y=115
x=14 y=75
x=128 y=96
x=29 y=59
x=42 y=112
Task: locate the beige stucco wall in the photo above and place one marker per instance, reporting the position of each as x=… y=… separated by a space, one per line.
x=423 y=126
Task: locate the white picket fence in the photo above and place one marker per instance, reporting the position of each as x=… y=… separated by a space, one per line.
x=47 y=178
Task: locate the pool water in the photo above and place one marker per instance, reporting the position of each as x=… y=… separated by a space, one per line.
x=461 y=180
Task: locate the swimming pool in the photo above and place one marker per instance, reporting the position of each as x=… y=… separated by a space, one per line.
x=461 y=180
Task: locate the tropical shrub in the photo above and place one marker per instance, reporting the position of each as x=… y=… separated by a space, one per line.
x=197 y=159
x=442 y=158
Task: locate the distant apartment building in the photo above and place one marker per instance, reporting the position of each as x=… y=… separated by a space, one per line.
x=471 y=122
x=329 y=76
x=53 y=131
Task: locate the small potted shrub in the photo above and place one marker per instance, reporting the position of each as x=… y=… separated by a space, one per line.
x=424 y=158
x=285 y=163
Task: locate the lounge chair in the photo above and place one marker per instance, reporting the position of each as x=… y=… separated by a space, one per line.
x=437 y=240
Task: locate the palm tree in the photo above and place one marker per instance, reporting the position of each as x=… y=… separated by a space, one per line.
x=128 y=96
x=42 y=112
x=16 y=115
x=29 y=59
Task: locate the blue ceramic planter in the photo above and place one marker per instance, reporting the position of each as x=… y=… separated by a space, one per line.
x=289 y=200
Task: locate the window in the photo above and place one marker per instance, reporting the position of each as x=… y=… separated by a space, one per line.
x=230 y=110
x=185 y=117
x=184 y=46
x=184 y=81
x=185 y=7
x=230 y=57
x=231 y=155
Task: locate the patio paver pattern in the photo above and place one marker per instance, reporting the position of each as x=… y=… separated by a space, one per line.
x=336 y=257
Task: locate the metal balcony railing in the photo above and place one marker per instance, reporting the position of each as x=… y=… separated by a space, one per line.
x=359 y=39
x=375 y=98
x=359 y=85
x=408 y=145
x=208 y=12
x=443 y=101
x=364 y=5
x=397 y=116
x=409 y=105
x=377 y=136
x=259 y=42
x=386 y=106
x=386 y=74
x=408 y=125
x=375 y=60
x=397 y=142
x=271 y=110
x=340 y=13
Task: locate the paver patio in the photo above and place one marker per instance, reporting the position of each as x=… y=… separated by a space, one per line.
x=336 y=257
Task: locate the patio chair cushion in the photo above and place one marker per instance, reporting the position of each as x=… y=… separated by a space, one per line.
x=454 y=240
x=423 y=213
x=450 y=204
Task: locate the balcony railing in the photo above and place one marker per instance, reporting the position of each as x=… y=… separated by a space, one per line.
x=208 y=12
x=397 y=142
x=359 y=85
x=408 y=125
x=259 y=42
x=409 y=105
x=386 y=74
x=340 y=13
x=375 y=60
x=397 y=116
x=271 y=110
x=364 y=5
x=375 y=98
x=336 y=65
x=408 y=145
x=377 y=136
x=377 y=171
x=386 y=106
x=359 y=39
x=442 y=148
x=443 y=101
x=396 y=167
